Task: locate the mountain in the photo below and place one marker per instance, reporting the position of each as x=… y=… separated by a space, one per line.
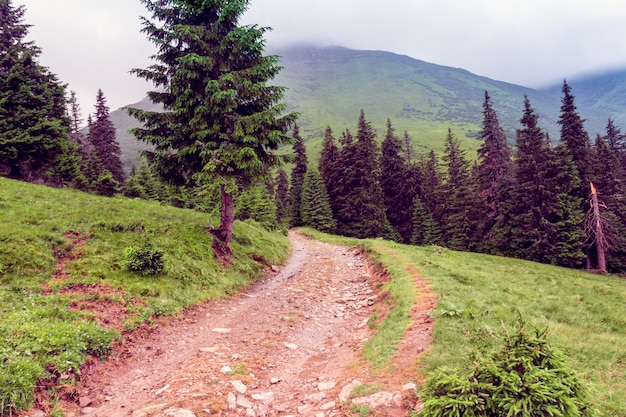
x=329 y=86
x=604 y=92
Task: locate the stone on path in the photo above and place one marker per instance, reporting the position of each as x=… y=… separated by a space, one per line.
x=264 y=396
x=325 y=386
x=347 y=390
x=243 y=402
x=380 y=399
x=239 y=386
x=178 y=412
x=221 y=330
x=291 y=346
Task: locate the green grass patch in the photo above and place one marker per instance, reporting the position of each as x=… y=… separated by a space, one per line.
x=43 y=337
x=479 y=295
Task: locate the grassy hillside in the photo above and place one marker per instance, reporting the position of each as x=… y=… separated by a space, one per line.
x=479 y=295
x=329 y=86
x=62 y=249
x=604 y=92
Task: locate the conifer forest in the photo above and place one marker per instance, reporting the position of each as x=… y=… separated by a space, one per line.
x=552 y=200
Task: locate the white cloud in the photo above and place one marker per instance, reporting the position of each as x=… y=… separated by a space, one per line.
x=93 y=44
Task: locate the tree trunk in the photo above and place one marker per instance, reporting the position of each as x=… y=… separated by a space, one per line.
x=224 y=233
x=598 y=230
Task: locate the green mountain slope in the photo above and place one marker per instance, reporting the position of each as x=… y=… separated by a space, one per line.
x=603 y=92
x=329 y=86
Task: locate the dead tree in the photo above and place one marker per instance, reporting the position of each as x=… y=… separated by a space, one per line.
x=597 y=229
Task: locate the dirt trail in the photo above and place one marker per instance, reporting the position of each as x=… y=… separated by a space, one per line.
x=286 y=346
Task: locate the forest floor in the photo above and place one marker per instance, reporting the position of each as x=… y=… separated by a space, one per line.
x=289 y=345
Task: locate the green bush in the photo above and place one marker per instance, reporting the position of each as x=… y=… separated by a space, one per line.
x=145 y=259
x=528 y=377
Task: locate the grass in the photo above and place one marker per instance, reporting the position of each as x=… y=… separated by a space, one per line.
x=46 y=340
x=480 y=295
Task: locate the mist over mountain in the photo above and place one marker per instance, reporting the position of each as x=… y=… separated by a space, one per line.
x=329 y=86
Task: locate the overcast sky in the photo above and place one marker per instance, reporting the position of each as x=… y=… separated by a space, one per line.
x=92 y=44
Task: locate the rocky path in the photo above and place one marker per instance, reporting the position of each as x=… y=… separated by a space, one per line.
x=289 y=345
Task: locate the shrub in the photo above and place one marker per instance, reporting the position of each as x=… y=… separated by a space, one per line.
x=145 y=259
x=528 y=377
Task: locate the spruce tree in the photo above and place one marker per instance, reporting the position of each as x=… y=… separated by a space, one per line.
x=255 y=203
x=297 y=178
x=222 y=122
x=462 y=213
x=396 y=183
x=328 y=166
x=616 y=141
x=430 y=189
x=493 y=171
x=35 y=143
x=425 y=230
x=75 y=119
x=575 y=137
x=360 y=205
x=282 y=195
x=543 y=216
x=103 y=139
x=576 y=140
x=316 y=211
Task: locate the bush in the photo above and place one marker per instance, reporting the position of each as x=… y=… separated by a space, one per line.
x=528 y=377
x=145 y=259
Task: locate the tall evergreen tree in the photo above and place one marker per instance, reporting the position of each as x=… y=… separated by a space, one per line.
x=316 y=211
x=397 y=185
x=328 y=166
x=282 y=194
x=75 y=119
x=34 y=127
x=462 y=213
x=222 y=123
x=297 y=178
x=543 y=216
x=103 y=139
x=576 y=140
x=494 y=169
x=360 y=205
x=430 y=189
x=425 y=230
x=616 y=141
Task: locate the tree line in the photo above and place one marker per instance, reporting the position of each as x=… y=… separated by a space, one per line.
x=531 y=201
x=41 y=135
x=214 y=148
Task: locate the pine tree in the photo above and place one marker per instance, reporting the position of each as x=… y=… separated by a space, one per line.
x=222 y=123
x=576 y=140
x=396 y=183
x=430 y=190
x=616 y=141
x=425 y=230
x=543 y=216
x=282 y=194
x=297 y=178
x=328 y=166
x=360 y=205
x=75 y=120
x=34 y=127
x=462 y=214
x=103 y=139
x=493 y=171
x=316 y=211
x=255 y=203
